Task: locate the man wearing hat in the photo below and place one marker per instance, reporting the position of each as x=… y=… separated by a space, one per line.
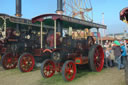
x=117 y=53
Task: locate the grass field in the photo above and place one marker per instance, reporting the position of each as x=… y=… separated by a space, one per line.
x=110 y=76
x=58 y=80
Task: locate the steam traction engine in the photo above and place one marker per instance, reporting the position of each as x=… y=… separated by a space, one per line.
x=20 y=43
x=72 y=44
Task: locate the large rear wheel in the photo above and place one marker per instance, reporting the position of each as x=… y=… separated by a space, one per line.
x=9 y=60
x=69 y=70
x=47 y=68
x=96 y=58
x=26 y=62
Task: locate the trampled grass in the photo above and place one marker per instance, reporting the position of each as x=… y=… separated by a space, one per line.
x=110 y=76
x=58 y=80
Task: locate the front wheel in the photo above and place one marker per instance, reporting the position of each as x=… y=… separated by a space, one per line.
x=47 y=68
x=96 y=58
x=69 y=70
x=26 y=62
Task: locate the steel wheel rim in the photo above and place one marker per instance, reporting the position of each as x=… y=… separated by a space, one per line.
x=49 y=69
x=70 y=71
x=9 y=61
x=27 y=63
x=99 y=58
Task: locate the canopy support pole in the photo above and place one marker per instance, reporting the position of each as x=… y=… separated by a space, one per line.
x=55 y=34
x=5 y=26
x=97 y=40
x=41 y=34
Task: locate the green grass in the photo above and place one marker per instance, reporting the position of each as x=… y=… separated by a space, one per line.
x=58 y=80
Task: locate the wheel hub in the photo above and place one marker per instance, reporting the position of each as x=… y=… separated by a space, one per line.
x=97 y=57
x=26 y=63
x=9 y=60
x=71 y=71
x=48 y=68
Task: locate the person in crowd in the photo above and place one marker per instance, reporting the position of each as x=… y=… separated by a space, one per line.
x=123 y=51
x=112 y=57
x=108 y=58
x=105 y=58
x=117 y=53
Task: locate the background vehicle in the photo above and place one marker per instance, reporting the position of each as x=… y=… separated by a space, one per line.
x=20 y=43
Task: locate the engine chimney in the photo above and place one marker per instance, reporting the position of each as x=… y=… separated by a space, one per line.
x=59 y=7
x=59 y=11
x=18 y=8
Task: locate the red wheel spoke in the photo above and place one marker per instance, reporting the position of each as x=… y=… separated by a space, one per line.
x=70 y=66
x=98 y=58
x=48 y=68
x=69 y=70
x=27 y=62
x=9 y=61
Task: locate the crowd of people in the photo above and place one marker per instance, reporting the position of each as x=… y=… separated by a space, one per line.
x=115 y=54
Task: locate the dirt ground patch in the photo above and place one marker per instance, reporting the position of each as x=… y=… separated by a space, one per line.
x=109 y=76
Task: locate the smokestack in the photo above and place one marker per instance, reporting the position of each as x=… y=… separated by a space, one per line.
x=59 y=7
x=18 y=8
x=59 y=11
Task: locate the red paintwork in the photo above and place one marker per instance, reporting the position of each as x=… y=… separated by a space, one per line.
x=58 y=67
x=50 y=40
x=76 y=53
x=9 y=61
x=3 y=50
x=47 y=50
x=49 y=69
x=68 y=19
x=70 y=71
x=41 y=17
x=27 y=58
x=83 y=60
x=38 y=52
x=122 y=12
x=99 y=58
